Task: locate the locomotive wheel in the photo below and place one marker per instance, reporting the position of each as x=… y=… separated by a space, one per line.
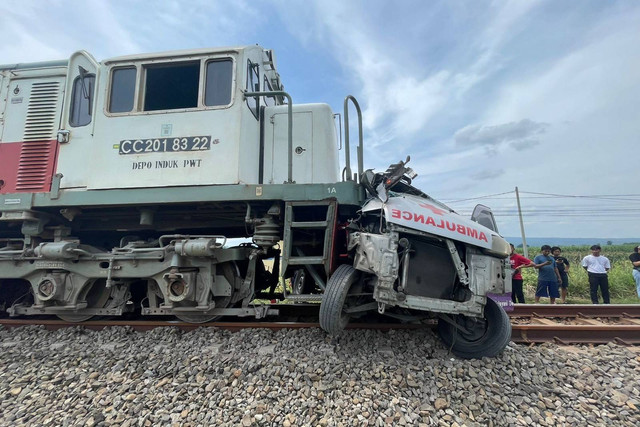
x=301 y=283
x=230 y=272
x=221 y=302
x=343 y=281
x=96 y=295
x=485 y=337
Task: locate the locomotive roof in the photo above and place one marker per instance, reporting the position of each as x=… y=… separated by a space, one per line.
x=167 y=54
x=178 y=53
x=33 y=65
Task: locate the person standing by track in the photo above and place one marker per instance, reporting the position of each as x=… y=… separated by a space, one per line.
x=563 y=268
x=635 y=261
x=548 y=276
x=518 y=262
x=597 y=267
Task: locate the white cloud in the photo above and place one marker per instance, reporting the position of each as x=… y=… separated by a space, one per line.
x=516 y=134
x=53 y=30
x=405 y=94
x=484 y=96
x=487 y=174
x=598 y=72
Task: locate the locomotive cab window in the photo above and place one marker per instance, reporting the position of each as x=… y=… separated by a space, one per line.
x=81 y=99
x=123 y=87
x=150 y=87
x=171 y=86
x=217 y=89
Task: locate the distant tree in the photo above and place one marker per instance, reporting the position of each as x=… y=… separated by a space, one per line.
x=609 y=243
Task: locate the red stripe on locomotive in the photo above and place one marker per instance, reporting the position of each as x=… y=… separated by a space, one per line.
x=27 y=167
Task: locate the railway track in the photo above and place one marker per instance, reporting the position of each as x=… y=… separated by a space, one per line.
x=563 y=324
x=576 y=323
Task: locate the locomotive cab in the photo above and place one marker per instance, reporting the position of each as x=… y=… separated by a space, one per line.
x=158 y=120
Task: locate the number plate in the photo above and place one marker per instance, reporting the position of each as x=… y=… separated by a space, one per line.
x=165 y=145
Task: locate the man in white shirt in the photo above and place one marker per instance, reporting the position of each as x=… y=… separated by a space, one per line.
x=597 y=267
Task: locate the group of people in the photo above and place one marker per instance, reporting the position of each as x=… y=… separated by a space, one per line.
x=553 y=278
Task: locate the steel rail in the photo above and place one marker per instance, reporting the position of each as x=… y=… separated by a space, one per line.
x=576 y=334
x=145 y=325
x=522 y=334
x=595 y=333
x=519 y=310
x=575 y=310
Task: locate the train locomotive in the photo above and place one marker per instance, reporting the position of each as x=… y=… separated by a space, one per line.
x=125 y=184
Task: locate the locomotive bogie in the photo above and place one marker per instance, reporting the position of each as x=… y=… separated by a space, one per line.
x=185 y=275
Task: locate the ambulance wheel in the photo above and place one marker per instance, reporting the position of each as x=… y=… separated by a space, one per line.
x=485 y=337
x=301 y=283
x=333 y=318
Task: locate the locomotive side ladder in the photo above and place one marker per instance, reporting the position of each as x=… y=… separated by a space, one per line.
x=309 y=229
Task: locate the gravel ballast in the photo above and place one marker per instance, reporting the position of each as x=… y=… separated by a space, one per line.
x=302 y=377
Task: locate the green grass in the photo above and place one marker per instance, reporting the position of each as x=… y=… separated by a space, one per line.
x=622 y=287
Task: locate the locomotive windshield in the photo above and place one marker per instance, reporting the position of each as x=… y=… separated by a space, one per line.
x=218 y=84
x=171 y=86
x=123 y=88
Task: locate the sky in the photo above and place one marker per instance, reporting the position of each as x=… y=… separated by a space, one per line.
x=485 y=96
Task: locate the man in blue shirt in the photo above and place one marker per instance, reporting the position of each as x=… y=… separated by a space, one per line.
x=548 y=275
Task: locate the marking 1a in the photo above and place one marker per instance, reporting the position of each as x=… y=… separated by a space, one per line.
x=331 y=190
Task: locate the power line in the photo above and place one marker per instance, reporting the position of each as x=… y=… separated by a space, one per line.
x=547 y=210
x=539 y=195
x=480 y=197
x=544 y=207
x=581 y=220
x=567 y=213
x=574 y=195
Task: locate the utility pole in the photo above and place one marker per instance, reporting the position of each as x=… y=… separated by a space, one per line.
x=524 y=239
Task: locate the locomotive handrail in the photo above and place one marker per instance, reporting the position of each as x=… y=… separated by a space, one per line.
x=289 y=126
x=347 y=153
